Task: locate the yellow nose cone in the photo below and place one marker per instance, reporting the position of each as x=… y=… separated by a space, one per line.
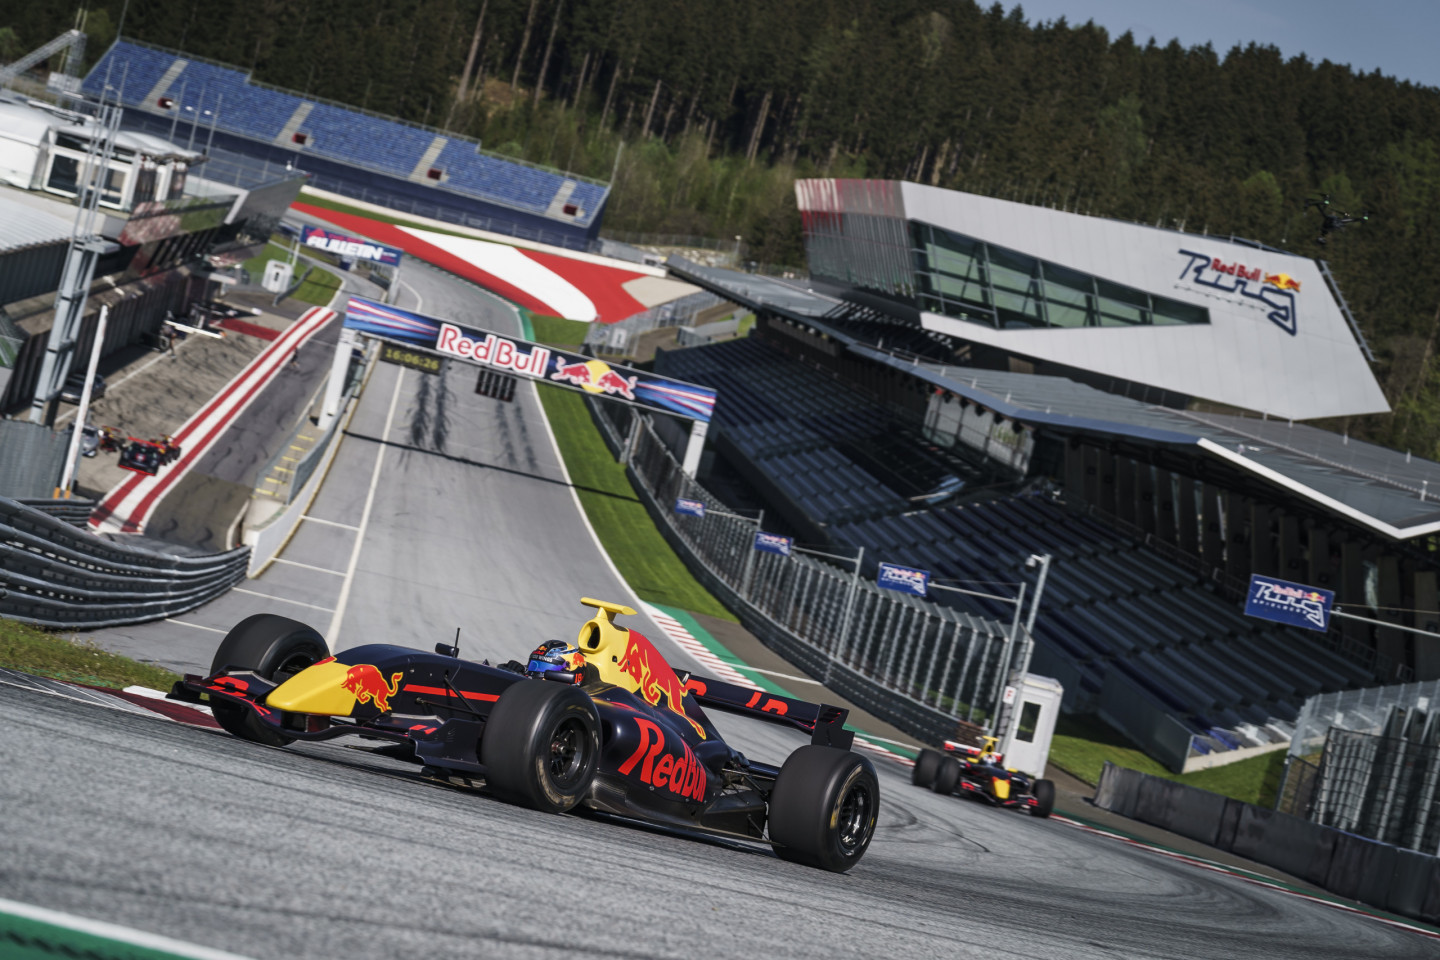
x=1002 y=785
x=319 y=689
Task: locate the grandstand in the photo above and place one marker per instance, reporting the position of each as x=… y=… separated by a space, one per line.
x=346 y=150
x=1155 y=516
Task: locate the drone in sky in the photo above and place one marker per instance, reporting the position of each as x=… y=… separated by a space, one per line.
x=1333 y=219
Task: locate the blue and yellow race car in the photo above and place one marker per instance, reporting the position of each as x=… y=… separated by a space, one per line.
x=603 y=724
x=981 y=772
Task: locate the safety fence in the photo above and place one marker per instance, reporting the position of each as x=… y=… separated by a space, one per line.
x=1383 y=786
x=54 y=575
x=618 y=337
x=1406 y=882
x=918 y=665
x=75 y=511
x=33 y=459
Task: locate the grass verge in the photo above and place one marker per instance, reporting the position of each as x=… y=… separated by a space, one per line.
x=620 y=520
x=1082 y=744
x=46 y=654
x=557 y=331
x=319 y=287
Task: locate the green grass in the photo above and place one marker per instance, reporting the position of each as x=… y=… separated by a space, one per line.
x=558 y=331
x=319 y=288
x=46 y=654
x=643 y=557
x=746 y=323
x=1082 y=744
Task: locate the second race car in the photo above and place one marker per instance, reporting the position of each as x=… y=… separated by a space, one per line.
x=604 y=724
x=981 y=772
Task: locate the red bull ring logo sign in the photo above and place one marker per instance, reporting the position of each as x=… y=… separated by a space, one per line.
x=513 y=355
x=1273 y=293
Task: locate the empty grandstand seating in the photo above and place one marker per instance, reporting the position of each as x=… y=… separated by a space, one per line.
x=835 y=454
x=1110 y=602
x=135 y=73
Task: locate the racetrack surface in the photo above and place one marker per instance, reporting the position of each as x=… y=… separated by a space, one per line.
x=325 y=851
x=330 y=851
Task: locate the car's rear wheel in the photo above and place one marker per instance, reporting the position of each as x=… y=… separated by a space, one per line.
x=1044 y=792
x=946 y=776
x=541 y=745
x=925 y=767
x=823 y=808
x=273 y=647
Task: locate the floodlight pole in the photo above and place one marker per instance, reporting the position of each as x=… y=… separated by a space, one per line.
x=77 y=428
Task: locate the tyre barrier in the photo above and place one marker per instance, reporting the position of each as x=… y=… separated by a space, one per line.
x=75 y=512
x=1401 y=881
x=54 y=575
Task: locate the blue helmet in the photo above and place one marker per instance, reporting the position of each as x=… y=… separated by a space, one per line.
x=550 y=655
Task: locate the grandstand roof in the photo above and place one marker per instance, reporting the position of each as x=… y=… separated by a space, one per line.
x=1382 y=489
x=22 y=226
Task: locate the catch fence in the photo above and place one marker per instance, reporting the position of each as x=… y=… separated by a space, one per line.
x=921 y=666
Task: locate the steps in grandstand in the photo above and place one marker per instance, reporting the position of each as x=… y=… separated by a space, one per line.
x=1111 y=604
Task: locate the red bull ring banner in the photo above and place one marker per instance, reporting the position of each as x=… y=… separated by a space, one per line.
x=526 y=359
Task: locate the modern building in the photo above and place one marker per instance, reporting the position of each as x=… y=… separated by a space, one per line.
x=1159 y=315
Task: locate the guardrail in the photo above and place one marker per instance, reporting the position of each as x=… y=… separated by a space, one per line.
x=919 y=665
x=75 y=512
x=53 y=575
x=1402 y=881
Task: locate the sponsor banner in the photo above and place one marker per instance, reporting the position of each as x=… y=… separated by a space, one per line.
x=1290 y=603
x=909 y=580
x=774 y=543
x=342 y=246
x=689 y=508
x=414 y=359
x=527 y=359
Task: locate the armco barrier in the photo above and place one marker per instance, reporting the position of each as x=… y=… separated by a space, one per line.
x=54 y=575
x=1404 y=882
x=75 y=511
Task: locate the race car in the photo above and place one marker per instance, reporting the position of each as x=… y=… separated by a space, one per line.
x=981 y=772
x=604 y=724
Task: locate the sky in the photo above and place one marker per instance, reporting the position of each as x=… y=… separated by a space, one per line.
x=1399 y=37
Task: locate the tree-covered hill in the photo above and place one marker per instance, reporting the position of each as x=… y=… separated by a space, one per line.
x=721 y=104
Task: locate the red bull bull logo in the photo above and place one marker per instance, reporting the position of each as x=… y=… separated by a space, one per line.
x=368 y=684
x=1283 y=280
x=593 y=376
x=655 y=677
x=679 y=772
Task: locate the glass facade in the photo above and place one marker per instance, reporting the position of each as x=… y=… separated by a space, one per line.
x=970 y=279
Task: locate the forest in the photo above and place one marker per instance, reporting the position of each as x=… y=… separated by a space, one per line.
x=702 y=115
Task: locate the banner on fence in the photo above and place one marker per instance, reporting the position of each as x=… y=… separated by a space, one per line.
x=1290 y=603
x=892 y=576
x=339 y=244
x=773 y=543
x=527 y=359
x=689 y=508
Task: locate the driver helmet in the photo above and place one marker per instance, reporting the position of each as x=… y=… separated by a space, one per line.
x=554 y=655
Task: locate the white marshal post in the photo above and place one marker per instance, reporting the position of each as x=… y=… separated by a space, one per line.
x=335 y=386
x=694 y=448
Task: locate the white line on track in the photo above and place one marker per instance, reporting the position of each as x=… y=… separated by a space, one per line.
x=267 y=596
x=419 y=300
x=332 y=635
x=330 y=523
x=309 y=566
x=187 y=623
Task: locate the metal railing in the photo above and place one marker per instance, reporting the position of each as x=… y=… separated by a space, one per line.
x=1383 y=786
x=617 y=337
x=53 y=575
x=921 y=666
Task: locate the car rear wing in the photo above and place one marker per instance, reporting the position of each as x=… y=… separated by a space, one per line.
x=824 y=723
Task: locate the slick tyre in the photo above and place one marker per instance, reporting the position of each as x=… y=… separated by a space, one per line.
x=274 y=647
x=541 y=745
x=926 y=765
x=946 y=776
x=1044 y=792
x=823 y=808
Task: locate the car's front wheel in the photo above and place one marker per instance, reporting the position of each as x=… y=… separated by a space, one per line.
x=274 y=647
x=823 y=808
x=541 y=745
x=926 y=766
x=1044 y=792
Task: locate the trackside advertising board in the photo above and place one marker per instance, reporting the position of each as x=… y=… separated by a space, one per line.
x=1290 y=603
x=892 y=576
x=774 y=543
x=689 y=508
x=524 y=358
x=343 y=246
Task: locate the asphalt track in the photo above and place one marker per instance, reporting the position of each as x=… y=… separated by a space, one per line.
x=330 y=851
